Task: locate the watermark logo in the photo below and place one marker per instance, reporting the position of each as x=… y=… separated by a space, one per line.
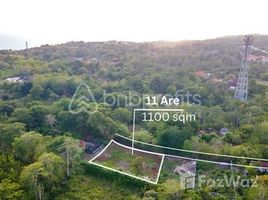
x=187 y=181
x=227 y=181
x=83 y=100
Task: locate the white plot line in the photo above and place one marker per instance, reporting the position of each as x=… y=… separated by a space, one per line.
x=147 y=152
x=147 y=109
x=162 y=161
x=139 y=150
x=217 y=162
x=160 y=168
x=127 y=174
x=202 y=160
x=183 y=150
x=196 y=152
x=124 y=173
x=101 y=151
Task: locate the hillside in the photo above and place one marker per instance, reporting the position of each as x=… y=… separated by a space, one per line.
x=43 y=130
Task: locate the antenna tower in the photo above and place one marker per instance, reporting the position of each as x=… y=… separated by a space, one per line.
x=241 y=90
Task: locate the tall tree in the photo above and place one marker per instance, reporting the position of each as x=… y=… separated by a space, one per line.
x=43 y=176
x=7 y=134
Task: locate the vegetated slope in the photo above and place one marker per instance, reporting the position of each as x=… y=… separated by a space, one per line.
x=34 y=112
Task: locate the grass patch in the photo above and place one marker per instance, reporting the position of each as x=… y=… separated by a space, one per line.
x=141 y=164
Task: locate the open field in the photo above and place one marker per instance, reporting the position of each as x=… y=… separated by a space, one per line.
x=261 y=82
x=174 y=168
x=141 y=164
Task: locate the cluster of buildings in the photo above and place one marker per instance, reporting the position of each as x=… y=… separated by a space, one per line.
x=254 y=58
x=15 y=79
x=230 y=82
x=207 y=76
x=85 y=60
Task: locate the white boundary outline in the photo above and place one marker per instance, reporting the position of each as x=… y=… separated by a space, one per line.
x=201 y=160
x=148 y=109
x=183 y=150
x=140 y=150
x=160 y=168
x=124 y=173
x=162 y=161
x=101 y=151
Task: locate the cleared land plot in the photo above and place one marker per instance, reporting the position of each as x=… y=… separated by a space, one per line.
x=261 y=82
x=178 y=169
x=141 y=164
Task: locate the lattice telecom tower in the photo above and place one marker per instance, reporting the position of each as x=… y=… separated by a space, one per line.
x=241 y=90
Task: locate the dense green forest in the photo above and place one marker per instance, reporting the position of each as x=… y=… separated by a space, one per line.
x=40 y=156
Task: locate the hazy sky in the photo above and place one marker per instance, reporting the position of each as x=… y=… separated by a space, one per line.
x=57 y=21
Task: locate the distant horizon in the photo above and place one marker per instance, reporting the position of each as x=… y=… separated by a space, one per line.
x=56 y=22
x=17 y=43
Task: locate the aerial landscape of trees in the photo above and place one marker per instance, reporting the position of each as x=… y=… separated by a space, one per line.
x=40 y=155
